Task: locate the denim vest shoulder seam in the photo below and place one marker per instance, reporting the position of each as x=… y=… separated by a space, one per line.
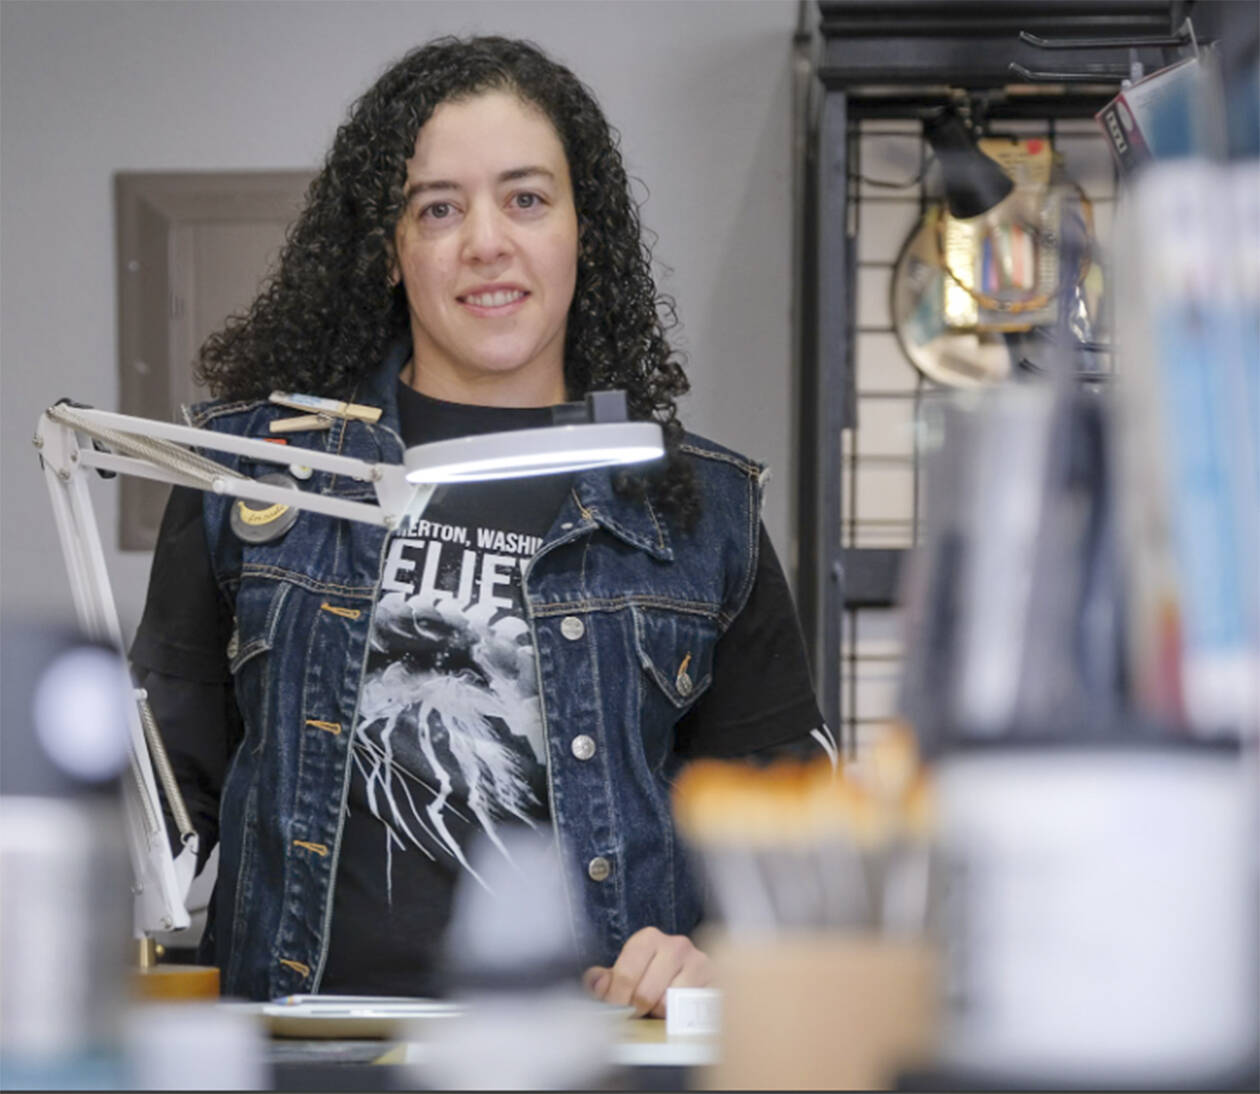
x=200 y=413
x=204 y=414
x=754 y=545
x=749 y=467
x=753 y=473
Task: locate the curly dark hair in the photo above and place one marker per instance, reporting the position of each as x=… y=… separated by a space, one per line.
x=329 y=312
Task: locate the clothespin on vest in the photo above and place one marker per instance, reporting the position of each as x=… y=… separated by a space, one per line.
x=316 y=406
x=300 y=422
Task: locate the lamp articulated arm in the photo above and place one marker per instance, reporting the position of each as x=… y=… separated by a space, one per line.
x=72 y=439
x=154 y=450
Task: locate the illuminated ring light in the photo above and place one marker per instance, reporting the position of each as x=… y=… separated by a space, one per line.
x=523 y=452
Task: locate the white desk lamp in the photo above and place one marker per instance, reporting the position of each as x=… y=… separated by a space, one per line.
x=161 y=451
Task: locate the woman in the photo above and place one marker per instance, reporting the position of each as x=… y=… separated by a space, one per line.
x=347 y=708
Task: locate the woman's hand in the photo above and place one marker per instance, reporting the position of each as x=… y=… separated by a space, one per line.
x=649 y=963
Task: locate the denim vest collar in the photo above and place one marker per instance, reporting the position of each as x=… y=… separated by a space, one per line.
x=634 y=523
x=597 y=499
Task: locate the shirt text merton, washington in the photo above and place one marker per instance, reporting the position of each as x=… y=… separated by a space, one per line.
x=435 y=562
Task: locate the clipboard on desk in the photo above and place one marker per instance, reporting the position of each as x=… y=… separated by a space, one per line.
x=350 y=1016
x=371 y=1017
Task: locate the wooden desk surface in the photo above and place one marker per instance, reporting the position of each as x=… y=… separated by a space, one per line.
x=642 y=1042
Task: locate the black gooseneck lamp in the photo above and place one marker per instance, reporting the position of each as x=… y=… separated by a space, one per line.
x=974 y=183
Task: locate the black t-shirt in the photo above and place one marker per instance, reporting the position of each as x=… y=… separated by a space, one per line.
x=448 y=742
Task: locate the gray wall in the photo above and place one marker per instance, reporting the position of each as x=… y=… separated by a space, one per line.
x=700 y=90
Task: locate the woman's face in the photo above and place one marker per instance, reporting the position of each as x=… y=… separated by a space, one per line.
x=487 y=252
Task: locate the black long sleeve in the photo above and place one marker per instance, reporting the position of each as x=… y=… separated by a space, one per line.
x=200 y=726
x=179 y=657
x=761 y=702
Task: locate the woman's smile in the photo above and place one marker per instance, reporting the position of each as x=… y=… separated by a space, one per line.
x=493 y=300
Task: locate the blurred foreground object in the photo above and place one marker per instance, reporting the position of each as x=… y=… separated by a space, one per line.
x=1099 y=850
x=514 y=964
x=1013 y=597
x=796 y=846
x=1088 y=560
x=1083 y=626
x=63 y=859
x=195 y=1046
x=1189 y=315
x=823 y=1011
x=1101 y=916
x=824 y=891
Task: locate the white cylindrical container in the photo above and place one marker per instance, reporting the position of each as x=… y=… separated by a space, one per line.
x=64 y=931
x=65 y=905
x=185 y=1045
x=1101 y=913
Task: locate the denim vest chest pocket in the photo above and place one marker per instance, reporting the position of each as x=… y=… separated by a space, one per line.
x=259 y=608
x=675 y=652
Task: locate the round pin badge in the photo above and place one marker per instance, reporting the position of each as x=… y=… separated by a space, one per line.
x=262 y=522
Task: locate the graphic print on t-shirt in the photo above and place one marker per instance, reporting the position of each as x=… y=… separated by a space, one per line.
x=449 y=738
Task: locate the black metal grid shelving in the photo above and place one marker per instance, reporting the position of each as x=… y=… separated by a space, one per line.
x=881 y=67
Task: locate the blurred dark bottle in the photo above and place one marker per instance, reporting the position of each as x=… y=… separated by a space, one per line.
x=513 y=963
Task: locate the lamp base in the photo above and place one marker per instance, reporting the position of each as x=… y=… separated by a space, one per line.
x=154 y=982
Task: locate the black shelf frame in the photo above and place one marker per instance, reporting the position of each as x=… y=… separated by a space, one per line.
x=905 y=59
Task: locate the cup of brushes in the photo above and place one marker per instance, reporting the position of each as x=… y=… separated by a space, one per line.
x=825 y=885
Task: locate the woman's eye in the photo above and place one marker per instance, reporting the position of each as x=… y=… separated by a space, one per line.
x=439 y=210
x=526 y=200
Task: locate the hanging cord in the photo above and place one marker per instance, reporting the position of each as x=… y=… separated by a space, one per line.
x=198 y=469
x=898 y=184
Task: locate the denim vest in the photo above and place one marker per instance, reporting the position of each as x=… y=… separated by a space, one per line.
x=625 y=611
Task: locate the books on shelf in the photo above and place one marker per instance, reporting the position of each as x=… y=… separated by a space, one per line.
x=1189 y=325
x=1153 y=118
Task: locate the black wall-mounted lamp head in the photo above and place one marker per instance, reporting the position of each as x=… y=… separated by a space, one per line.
x=974 y=183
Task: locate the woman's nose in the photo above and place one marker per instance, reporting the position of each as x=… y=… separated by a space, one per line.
x=487 y=235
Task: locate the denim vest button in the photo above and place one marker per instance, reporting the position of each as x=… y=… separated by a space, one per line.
x=583 y=747
x=683 y=684
x=572 y=627
x=599 y=868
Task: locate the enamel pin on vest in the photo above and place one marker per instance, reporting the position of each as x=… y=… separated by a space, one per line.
x=260 y=522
